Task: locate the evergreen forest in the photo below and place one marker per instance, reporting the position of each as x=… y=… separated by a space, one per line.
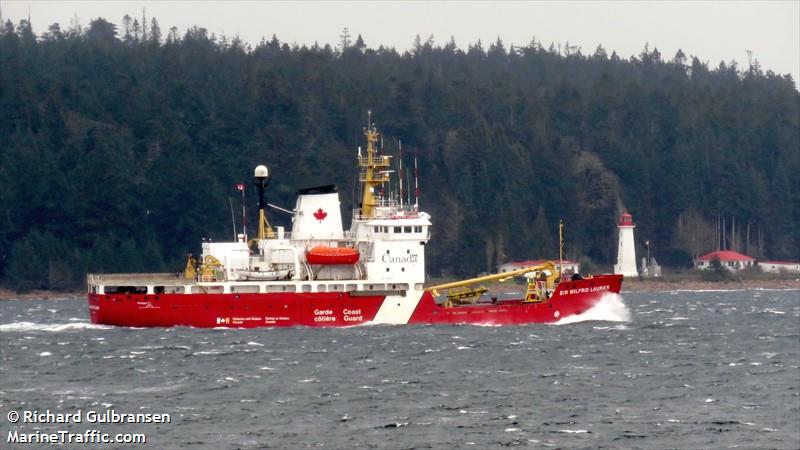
x=121 y=146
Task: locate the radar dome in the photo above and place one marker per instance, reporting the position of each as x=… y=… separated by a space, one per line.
x=261 y=171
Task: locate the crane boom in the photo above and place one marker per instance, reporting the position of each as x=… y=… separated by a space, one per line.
x=498 y=276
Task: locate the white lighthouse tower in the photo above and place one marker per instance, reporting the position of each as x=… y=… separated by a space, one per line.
x=626 y=253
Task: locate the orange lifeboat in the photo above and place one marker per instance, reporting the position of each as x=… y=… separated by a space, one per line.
x=322 y=254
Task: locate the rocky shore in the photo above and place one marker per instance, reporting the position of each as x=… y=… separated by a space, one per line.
x=6 y=294
x=658 y=285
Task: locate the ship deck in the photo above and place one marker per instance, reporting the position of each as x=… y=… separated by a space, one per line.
x=176 y=279
x=177 y=283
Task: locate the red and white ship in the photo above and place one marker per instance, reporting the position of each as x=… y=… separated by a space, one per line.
x=322 y=275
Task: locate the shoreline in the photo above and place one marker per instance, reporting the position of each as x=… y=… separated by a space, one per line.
x=661 y=285
x=6 y=294
x=628 y=285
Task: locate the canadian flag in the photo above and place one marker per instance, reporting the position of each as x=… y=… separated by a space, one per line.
x=240 y=187
x=320 y=215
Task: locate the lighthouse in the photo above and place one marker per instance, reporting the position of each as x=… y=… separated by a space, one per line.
x=626 y=252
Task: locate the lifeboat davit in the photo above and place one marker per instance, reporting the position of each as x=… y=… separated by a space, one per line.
x=322 y=254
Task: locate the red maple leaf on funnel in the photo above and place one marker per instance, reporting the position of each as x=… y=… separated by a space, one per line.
x=320 y=215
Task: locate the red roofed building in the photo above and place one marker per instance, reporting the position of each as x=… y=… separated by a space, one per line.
x=729 y=259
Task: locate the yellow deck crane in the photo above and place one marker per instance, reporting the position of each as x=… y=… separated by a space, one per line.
x=542 y=280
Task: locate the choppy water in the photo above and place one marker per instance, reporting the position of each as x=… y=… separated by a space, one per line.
x=687 y=370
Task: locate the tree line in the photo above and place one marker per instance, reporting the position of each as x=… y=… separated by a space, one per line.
x=121 y=146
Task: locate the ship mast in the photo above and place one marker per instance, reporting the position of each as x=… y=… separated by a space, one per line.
x=560 y=248
x=370 y=164
x=261 y=181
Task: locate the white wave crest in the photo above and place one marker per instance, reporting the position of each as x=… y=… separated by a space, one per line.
x=57 y=327
x=610 y=308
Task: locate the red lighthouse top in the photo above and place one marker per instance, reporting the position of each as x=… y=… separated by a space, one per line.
x=625 y=220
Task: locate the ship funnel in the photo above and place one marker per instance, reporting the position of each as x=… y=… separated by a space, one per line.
x=317 y=214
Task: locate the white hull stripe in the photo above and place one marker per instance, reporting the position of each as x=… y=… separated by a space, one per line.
x=396 y=309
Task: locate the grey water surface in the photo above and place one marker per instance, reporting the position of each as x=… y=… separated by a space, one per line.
x=688 y=370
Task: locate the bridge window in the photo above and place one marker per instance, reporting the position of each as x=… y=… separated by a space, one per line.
x=406 y=229
x=246 y=289
x=278 y=288
x=398 y=229
x=126 y=290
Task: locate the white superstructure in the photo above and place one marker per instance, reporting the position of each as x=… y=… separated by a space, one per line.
x=385 y=244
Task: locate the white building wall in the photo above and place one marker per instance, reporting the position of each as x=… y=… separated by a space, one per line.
x=733 y=266
x=776 y=267
x=572 y=266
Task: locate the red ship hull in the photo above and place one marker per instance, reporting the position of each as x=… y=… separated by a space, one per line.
x=569 y=299
x=334 y=309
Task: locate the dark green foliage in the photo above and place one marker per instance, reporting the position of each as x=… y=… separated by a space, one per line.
x=119 y=147
x=716 y=272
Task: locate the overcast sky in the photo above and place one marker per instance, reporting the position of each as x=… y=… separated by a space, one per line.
x=713 y=31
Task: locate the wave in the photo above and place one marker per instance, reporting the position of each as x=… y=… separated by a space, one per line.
x=610 y=308
x=57 y=327
x=742 y=289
